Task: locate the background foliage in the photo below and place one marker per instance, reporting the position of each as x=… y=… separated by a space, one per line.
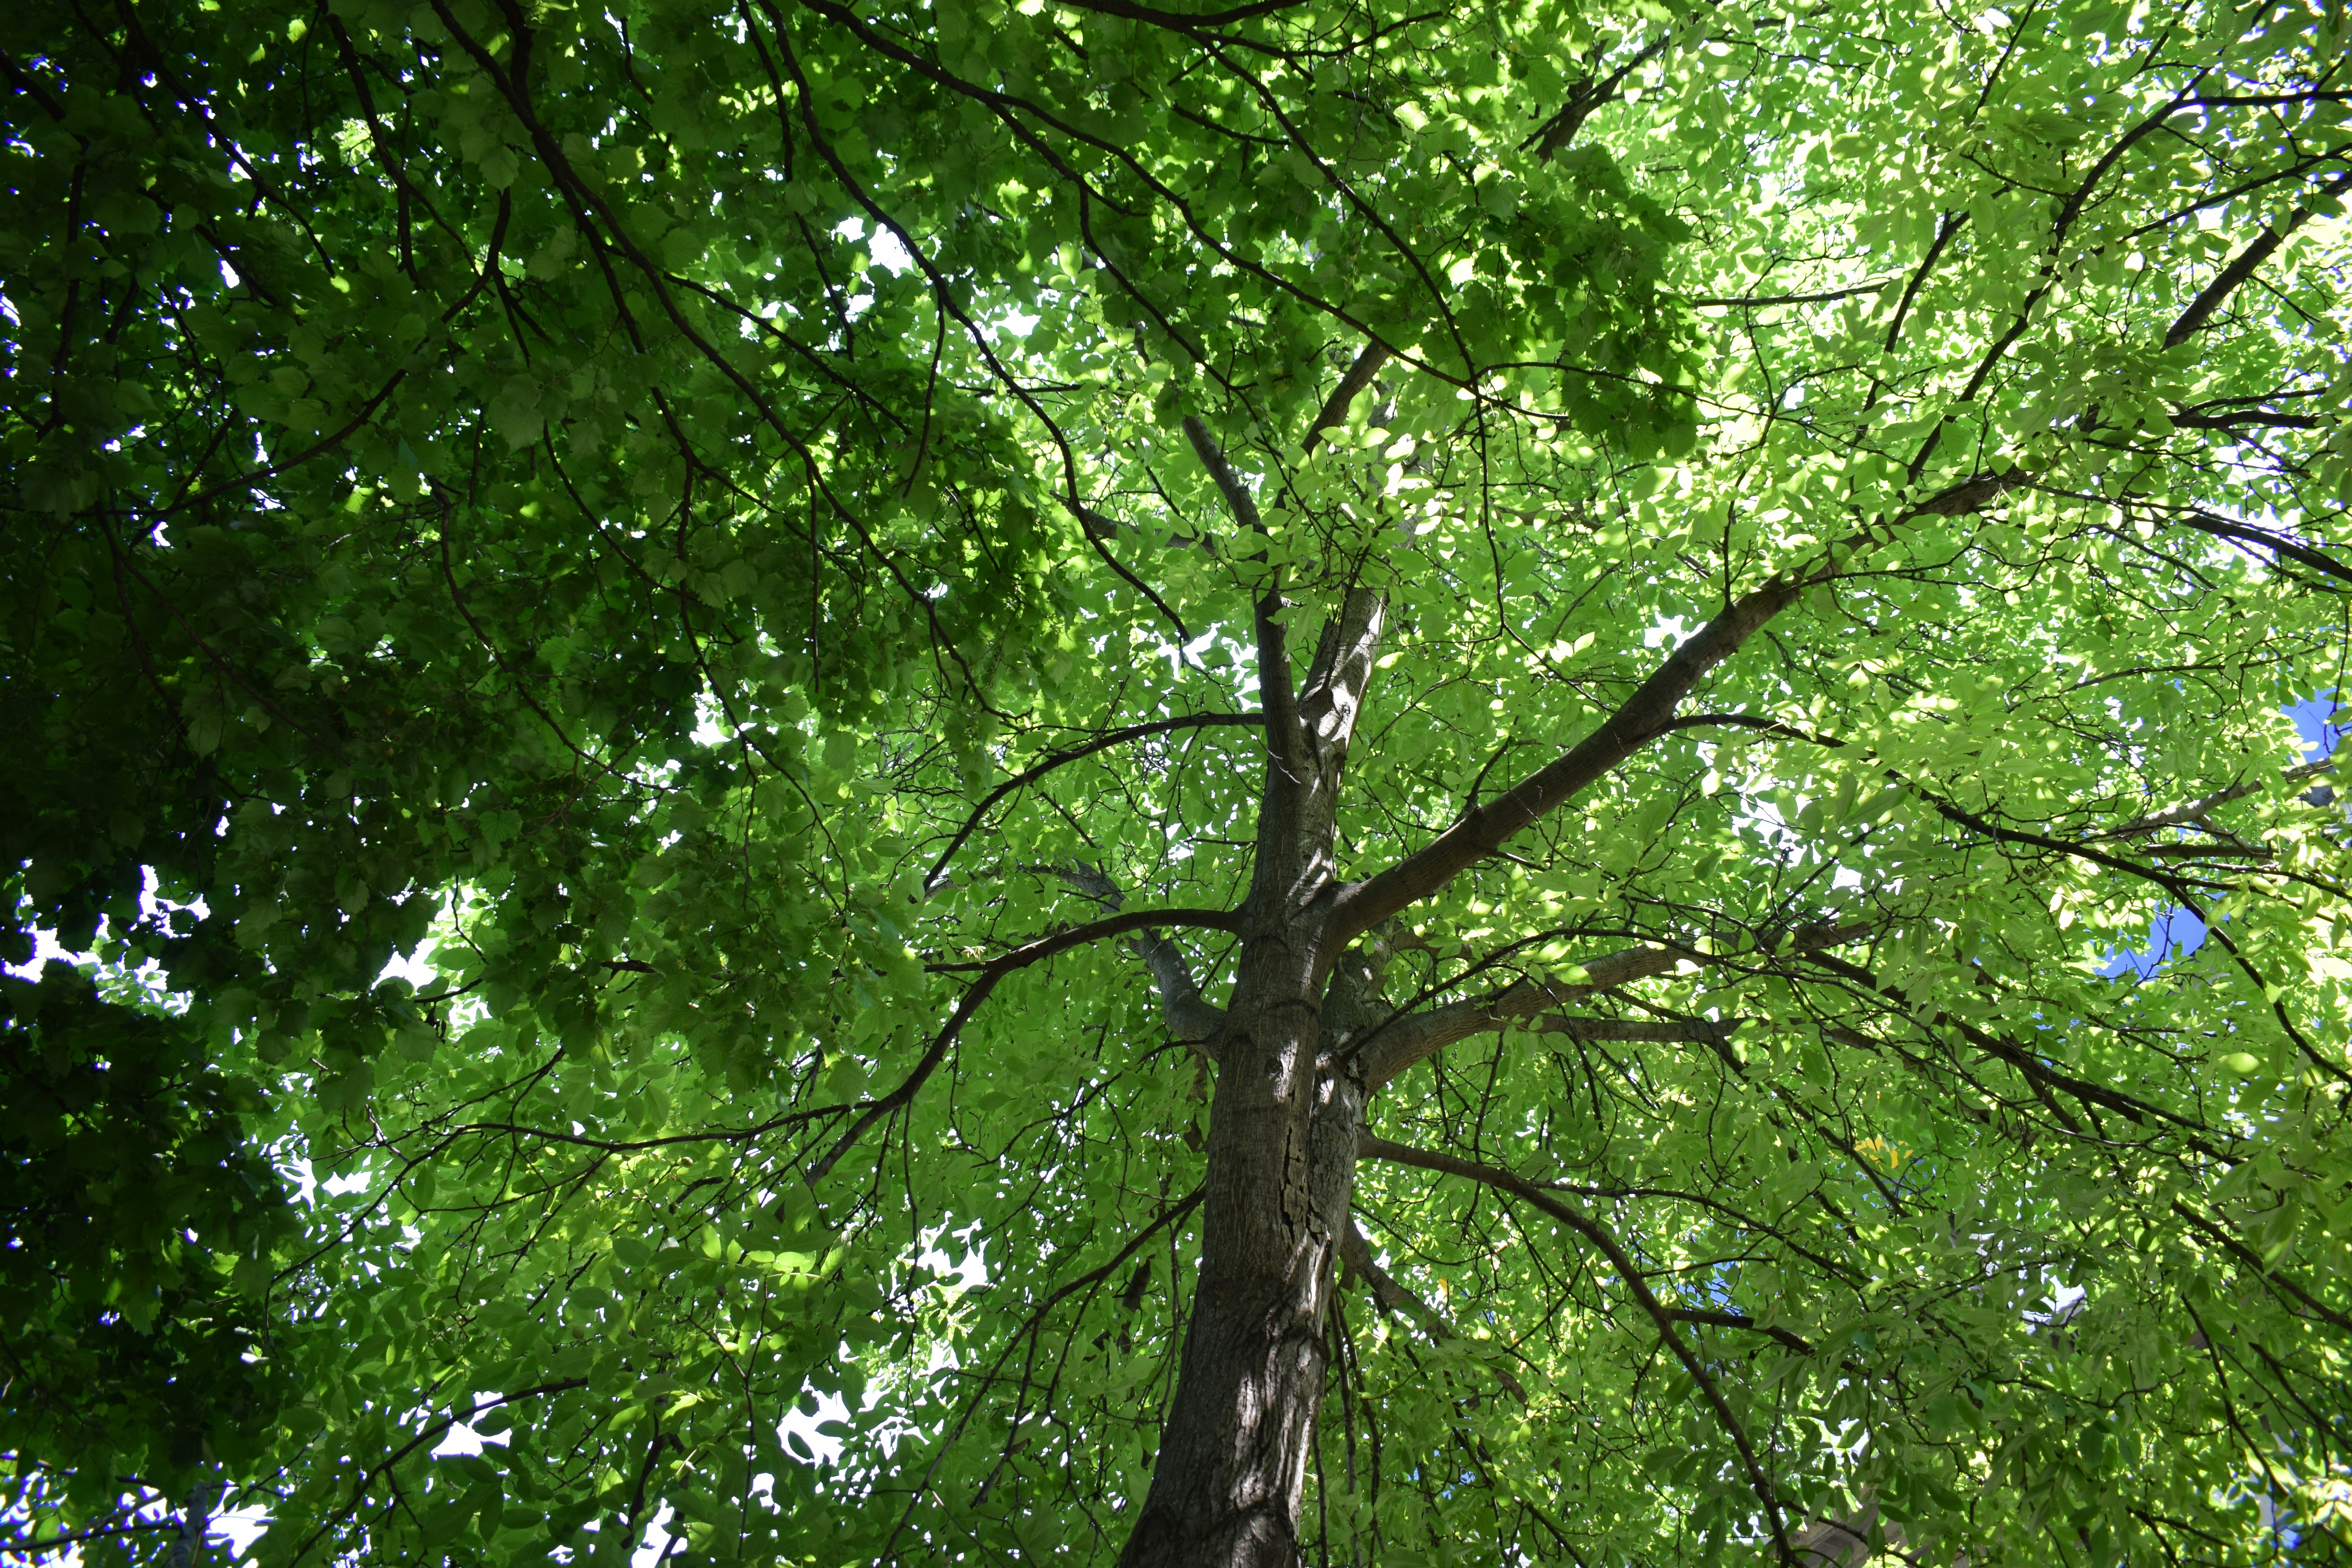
x=594 y=498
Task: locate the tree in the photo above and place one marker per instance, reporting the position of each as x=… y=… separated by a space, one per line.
x=1310 y=780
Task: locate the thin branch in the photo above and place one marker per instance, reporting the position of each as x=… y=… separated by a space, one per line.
x=1119 y=924
x=1797 y=1343
x=75 y=1538
x=992 y=972
x=1660 y=1315
x=1177 y=21
x=1392 y=1296
x=1747 y=722
x=1173 y=1216
x=1058 y=759
x=2032 y=1067
x=1758 y=300
x=2246 y=1255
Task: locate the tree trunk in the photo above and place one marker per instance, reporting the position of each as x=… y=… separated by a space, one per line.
x=1232 y=1467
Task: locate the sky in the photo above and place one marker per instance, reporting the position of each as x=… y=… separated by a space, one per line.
x=2176 y=933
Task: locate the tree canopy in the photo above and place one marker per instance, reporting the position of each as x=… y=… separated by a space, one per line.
x=1311 y=780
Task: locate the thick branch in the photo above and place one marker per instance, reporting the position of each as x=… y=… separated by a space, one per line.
x=1188 y=1017
x=1487 y=829
x=2266 y=539
x=1366 y=366
x=1661 y=1316
x=1356 y=1252
x=2199 y=314
x=2203 y=805
x=1585 y=97
x=1841 y=1543
x=1402 y=1042
x=1437 y=1030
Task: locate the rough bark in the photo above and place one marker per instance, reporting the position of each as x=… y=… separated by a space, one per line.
x=1227 y=1485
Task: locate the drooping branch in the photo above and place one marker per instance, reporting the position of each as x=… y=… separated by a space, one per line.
x=1392 y=1295
x=2176 y=885
x=1661 y=1316
x=2030 y=1066
x=2172 y=816
x=2266 y=1272
x=990 y=972
x=1175 y=1214
x=589 y=206
x=1057 y=759
x=427 y=1436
